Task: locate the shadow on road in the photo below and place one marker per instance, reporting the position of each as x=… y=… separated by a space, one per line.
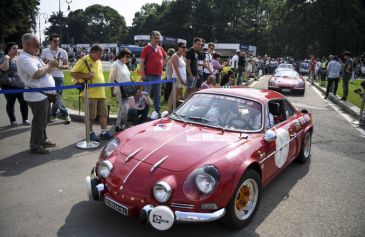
x=90 y=218
x=7 y=131
x=23 y=161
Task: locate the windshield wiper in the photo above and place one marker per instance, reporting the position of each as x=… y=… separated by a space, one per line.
x=179 y=117
x=204 y=120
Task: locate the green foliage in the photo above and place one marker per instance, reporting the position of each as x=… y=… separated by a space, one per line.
x=17 y=18
x=97 y=24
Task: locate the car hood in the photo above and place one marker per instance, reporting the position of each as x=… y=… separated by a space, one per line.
x=184 y=145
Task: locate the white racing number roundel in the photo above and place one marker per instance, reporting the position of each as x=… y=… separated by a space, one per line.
x=282 y=147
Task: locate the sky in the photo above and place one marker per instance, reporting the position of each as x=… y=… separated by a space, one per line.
x=126 y=8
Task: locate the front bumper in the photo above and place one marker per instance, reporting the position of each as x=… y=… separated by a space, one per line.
x=160 y=217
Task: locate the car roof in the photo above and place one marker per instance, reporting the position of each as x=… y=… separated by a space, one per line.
x=262 y=95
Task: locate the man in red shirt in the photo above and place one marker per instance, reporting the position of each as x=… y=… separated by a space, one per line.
x=153 y=58
x=312 y=69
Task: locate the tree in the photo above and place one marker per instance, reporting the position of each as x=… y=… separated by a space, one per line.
x=104 y=24
x=17 y=18
x=57 y=20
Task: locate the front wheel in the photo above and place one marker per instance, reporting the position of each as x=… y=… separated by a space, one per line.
x=244 y=202
x=306 y=149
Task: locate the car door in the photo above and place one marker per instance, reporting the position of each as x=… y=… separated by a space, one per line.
x=282 y=149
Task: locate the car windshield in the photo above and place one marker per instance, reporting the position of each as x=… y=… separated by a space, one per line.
x=222 y=112
x=290 y=66
x=304 y=65
x=287 y=74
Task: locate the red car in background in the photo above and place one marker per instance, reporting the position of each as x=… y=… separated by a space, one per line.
x=287 y=81
x=207 y=161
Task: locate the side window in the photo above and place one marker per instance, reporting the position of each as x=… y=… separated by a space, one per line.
x=276 y=111
x=289 y=111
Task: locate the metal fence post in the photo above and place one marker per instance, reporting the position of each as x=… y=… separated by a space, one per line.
x=173 y=96
x=87 y=144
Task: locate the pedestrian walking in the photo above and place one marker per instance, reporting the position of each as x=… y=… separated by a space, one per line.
x=334 y=70
x=59 y=55
x=234 y=63
x=153 y=58
x=119 y=73
x=89 y=68
x=346 y=74
x=8 y=62
x=323 y=70
x=312 y=69
x=36 y=74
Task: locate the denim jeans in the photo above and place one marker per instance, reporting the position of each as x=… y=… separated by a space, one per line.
x=58 y=105
x=133 y=115
x=155 y=89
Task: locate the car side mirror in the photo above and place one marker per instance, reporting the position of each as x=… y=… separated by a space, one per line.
x=304 y=111
x=270 y=135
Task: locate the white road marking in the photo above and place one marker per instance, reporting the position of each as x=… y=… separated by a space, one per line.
x=308 y=106
x=347 y=117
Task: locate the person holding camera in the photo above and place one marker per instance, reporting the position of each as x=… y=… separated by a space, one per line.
x=138 y=106
x=36 y=74
x=119 y=73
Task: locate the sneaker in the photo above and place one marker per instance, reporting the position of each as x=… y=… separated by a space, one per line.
x=52 y=119
x=106 y=135
x=40 y=150
x=14 y=124
x=67 y=119
x=93 y=137
x=343 y=98
x=325 y=98
x=26 y=123
x=48 y=144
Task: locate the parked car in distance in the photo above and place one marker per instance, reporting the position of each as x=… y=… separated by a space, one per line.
x=208 y=160
x=287 y=81
x=303 y=68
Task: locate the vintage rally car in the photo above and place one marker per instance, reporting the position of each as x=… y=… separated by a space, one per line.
x=287 y=81
x=207 y=161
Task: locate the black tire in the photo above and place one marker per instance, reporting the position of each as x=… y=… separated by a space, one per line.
x=231 y=219
x=306 y=148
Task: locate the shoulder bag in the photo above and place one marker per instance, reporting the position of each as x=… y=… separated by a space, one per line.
x=4 y=77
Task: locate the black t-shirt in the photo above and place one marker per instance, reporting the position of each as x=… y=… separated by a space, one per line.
x=192 y=55
x=241 y=61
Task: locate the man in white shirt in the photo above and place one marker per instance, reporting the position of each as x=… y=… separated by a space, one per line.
x=55 y=53
x=36 y=74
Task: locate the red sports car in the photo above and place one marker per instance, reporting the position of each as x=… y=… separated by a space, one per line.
x=287 y=81
x=207 y=161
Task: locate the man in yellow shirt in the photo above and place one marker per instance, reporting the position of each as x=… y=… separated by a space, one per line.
x=89 y=68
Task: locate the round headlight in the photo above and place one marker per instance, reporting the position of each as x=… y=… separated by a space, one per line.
x=205 y=182
x=104 y=168
x=110 y=147
x=162 y=191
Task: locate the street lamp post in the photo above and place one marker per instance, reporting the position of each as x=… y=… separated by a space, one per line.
x=45 y=17
x=59 y=12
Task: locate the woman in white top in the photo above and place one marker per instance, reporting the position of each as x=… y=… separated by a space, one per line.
x=119 y=72
x=178 y=72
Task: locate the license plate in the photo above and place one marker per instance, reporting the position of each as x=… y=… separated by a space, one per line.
x=116 y=206
x=286 y=90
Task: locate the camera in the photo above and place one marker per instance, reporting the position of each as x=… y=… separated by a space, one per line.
x=144 y=93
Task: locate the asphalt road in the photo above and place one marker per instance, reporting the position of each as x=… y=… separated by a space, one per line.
x=44 y=195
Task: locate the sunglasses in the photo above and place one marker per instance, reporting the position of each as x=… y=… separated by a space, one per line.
x=184 y=47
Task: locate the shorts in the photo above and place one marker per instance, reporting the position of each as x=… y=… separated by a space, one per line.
x=191 y=82
x=97 y=107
